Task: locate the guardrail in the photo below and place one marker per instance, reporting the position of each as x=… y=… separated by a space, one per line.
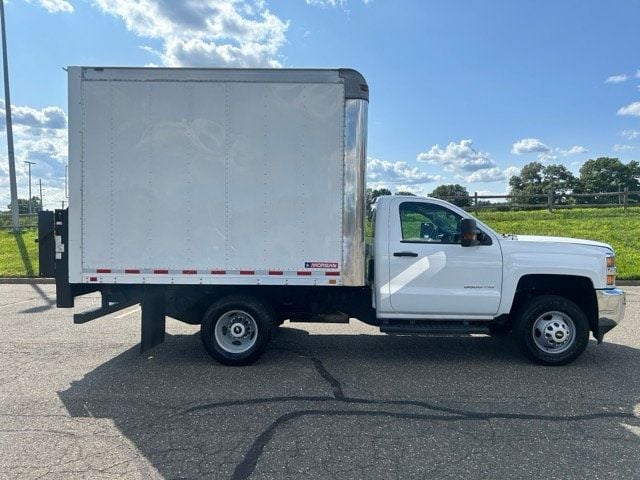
x=550 y=200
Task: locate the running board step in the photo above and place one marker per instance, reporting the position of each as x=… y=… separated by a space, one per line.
x=440 y=327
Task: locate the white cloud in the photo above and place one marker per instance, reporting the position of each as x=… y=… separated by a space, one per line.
x=511 y=172
x=545 y=157
x=383 y=172
x=486 y=175
x=48 y=117
x=205 y=33
x=545 y=153
x=623 y=148
x=325 y=3
x=575 y=150
x=55 y=6
x=617 y=78
x=633 y=109
x=331 y=3
x=529 y=145
x=457 y=157
x=637 y=73
x=40 y=136
x=630 y=134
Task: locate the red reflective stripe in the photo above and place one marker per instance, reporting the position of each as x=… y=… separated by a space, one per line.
x=103 y=270
x=275 y=272
x=189 y=272
x=131 y=270
x=304 y=273
x=247 y=272
x=332 y=274
x=93 y=279
x=218 y=272
x=161 y=270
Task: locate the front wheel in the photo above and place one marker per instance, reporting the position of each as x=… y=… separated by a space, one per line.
x=551 y=330
x=235 y=330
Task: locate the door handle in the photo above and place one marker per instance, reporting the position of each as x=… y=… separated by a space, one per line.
x=405 y=254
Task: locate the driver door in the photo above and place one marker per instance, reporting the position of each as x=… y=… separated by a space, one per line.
x=430 y=273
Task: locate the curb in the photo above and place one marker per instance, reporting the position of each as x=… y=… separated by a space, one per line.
x=627 y=283
x=26 y=280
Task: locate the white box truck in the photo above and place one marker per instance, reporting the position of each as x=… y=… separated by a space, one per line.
x=235 y=199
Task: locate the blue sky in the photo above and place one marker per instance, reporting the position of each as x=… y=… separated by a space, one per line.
x=461 y=92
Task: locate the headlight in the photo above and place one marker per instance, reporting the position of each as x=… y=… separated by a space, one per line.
x=612 y=271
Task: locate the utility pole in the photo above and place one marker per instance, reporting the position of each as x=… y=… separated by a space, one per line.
x=41 y=203
x=30 y=203
x=15 y=218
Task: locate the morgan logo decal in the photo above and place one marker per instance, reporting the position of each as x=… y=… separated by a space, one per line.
x=320 y=264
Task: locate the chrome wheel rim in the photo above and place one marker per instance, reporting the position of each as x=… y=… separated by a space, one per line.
x=236 y=331
x=553 y=332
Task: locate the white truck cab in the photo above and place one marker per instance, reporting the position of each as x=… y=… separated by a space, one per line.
x=426 y=269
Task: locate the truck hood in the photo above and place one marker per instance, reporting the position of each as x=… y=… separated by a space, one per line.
x=540 y=238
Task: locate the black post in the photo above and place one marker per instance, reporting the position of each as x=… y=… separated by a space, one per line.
x=153 y=317
x=46 y=244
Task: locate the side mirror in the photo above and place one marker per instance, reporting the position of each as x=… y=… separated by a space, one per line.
x=469 y=233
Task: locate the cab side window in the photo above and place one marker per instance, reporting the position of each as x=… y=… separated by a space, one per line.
x=429 y=223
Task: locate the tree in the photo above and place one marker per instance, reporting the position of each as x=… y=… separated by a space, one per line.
x=371 y=196
x=406 y=194
x=538 y=179
x=607 y=174
x=23 y=205
x=456 y=190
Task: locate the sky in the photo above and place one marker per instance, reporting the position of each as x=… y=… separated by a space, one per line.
x=460 y=91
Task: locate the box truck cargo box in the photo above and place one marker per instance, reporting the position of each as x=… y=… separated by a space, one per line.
x=216 y=176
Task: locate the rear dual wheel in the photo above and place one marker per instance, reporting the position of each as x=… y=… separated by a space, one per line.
x=235 y=330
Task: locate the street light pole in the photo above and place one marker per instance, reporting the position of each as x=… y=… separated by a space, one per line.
x=30 y=203
x=15 y=219
x=41 y=203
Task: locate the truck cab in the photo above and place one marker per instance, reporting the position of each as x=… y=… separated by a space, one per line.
x=436 y=268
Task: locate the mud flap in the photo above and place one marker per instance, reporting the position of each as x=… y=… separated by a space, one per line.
x=153 y=317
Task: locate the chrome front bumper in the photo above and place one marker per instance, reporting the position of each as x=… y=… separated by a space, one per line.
x=611 y=306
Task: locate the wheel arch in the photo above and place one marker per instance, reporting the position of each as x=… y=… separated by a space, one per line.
x=578 y=289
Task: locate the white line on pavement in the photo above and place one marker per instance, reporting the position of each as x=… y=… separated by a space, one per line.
x=17 y=303
x=126 y=313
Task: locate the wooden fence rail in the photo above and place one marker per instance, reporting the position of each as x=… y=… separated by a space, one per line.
x=553 y=200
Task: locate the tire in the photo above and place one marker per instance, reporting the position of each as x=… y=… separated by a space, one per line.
x=551 y=330
x=235 y=330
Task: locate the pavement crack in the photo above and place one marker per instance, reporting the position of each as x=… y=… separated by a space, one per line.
x=411 y=403
x=333 y=382
x=248 y=464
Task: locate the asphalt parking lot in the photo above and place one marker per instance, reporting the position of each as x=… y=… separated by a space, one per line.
x=326 y=401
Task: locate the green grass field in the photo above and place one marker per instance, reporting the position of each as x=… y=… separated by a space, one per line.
x=610 y=225
x=19 y=254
